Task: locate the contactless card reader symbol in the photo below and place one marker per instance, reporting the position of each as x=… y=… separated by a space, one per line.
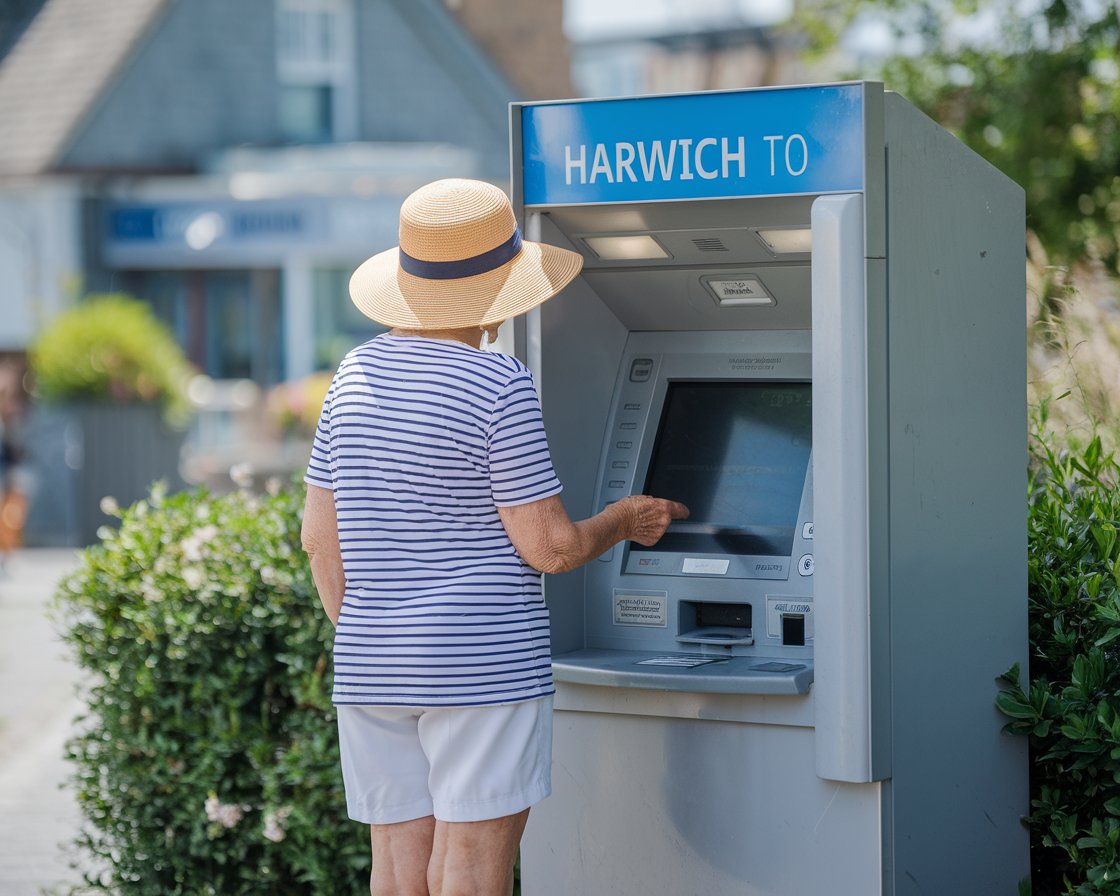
x=640 y=369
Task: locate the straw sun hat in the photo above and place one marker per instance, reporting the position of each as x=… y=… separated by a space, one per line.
x=461 y=263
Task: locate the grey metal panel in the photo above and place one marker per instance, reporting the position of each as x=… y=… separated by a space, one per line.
x=957 y=430
x=878 y=516
x=874 y=180
x=696 y=807
x=761 y=709
x=878 y=490
x=582 y=346
x=677 y=300
x=840 y=509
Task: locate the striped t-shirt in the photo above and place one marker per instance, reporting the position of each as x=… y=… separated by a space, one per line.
x=421 y=441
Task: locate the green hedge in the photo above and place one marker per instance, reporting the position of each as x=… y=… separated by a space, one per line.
x=111 y=348
x=1071 y=707
x=208 y=761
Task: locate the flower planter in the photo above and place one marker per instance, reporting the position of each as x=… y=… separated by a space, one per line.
x=91 y=451
x=119 y=451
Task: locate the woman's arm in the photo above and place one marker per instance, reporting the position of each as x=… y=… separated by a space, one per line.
x=320 y=541
x=548 y=540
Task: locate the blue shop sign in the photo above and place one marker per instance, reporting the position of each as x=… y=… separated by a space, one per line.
x=224 y=221
x=771 y=142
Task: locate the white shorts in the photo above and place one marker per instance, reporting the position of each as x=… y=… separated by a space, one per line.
x=458 y=763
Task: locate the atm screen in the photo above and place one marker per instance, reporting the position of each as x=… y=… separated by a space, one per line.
x=736 y=454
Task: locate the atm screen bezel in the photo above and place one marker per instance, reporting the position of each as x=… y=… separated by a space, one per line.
x=707 y=564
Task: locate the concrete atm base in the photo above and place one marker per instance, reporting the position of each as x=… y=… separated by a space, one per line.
x=721 y=799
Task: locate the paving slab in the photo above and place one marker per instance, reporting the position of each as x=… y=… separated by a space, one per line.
x=38 y=815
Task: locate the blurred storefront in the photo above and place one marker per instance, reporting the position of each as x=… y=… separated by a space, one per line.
x=230 y=164
x=249 y=264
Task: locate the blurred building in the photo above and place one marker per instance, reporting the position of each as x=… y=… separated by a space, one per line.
x=714 y=47
x=232 y=162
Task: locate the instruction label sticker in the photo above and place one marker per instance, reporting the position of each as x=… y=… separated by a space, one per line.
x=777 y=607
x=641 y=608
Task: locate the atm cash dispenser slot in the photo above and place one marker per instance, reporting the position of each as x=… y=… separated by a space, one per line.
x=706 y=622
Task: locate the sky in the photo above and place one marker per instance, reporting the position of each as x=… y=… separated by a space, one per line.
x=602 y=17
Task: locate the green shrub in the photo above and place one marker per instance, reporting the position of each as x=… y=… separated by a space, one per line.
x=110 y=348
x=208 y=761
x=1071 y=708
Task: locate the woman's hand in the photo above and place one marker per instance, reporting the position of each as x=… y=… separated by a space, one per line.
x=651 y=517
x=547 y=539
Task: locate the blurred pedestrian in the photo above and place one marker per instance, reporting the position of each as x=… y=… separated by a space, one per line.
x=13 y=501
x=432 y=507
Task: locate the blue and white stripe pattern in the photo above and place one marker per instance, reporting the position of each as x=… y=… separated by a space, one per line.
x=421 y=440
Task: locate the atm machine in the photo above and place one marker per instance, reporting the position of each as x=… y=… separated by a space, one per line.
x=801 y=314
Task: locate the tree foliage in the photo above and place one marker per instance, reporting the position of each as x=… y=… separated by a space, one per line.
x=1034 y=87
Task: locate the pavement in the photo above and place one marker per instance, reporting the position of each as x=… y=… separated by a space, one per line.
x=38 y=815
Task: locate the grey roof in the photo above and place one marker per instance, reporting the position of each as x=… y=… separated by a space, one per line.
x=56 y=72
x=15 y=16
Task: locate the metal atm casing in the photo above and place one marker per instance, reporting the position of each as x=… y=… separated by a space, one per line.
x=862 y=771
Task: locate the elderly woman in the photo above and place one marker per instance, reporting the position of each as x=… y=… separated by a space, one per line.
x=432 y=509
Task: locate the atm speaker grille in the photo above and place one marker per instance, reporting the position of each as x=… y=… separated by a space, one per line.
x=710 y=244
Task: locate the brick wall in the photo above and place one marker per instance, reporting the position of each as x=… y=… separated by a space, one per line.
x=525 y=38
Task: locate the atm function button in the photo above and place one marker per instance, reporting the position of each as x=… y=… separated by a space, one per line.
x=616 y=483
x=632 y=406
x=620 y=465
x=805 y=565
x=623 y=444
x=628 y=426
x=641 y=369
x=807 y=531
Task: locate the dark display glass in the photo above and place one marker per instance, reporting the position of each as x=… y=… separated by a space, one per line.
x=736 y=454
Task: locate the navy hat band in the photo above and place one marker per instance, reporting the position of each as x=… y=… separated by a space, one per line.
x=466 y=267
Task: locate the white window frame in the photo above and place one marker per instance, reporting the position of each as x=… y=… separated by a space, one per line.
x=320 y=51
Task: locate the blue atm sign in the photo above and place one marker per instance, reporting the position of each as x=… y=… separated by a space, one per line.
x=779 y=142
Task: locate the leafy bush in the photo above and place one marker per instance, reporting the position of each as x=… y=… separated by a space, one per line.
x=111 y=348
x=1071 y=708
x=208 y=761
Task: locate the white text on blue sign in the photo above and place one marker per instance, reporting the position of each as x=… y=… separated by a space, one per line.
x=680 y=159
